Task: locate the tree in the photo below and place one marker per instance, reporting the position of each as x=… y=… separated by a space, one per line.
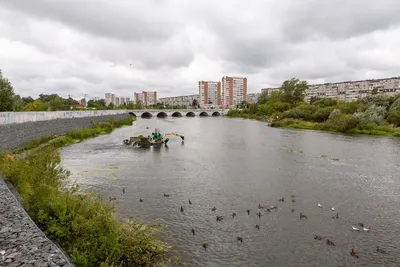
x=110 y=106
x=6 y=94
x=293 y=90
x=36 y=105
x=18 y=104
x=194 y=103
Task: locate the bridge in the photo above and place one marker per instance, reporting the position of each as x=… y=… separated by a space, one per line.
x=162 y=113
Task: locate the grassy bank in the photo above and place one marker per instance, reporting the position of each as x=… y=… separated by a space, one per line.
x=84 y=225
x=373 y=115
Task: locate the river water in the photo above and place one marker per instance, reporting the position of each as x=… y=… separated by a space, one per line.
x=234 y=165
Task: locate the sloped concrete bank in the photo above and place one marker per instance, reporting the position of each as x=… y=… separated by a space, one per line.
x=13 y=136
x=22 y=243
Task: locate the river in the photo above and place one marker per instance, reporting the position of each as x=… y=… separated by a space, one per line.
x=234 y=165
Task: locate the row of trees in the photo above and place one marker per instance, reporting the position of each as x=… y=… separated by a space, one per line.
x=9 y=101
x=369 y=113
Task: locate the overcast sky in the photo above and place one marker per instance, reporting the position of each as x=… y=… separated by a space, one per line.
x=93 y=47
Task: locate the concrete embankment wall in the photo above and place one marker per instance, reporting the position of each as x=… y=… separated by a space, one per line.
x=27 y=126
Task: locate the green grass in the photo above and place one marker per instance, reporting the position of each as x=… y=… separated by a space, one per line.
x=83 y=224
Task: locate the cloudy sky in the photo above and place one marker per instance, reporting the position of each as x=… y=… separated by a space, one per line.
x=92 y=47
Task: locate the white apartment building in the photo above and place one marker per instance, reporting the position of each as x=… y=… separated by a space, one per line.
x=109 y=98
x=146 y=98
x=117 y=101
x=186 y=100
x=234 y=90
x=253 y=98
x=210 y=93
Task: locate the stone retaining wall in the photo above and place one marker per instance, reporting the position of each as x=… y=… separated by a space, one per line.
x=22 y=243
x=15 y=135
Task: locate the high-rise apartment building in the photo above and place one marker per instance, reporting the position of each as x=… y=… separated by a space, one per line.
x=234 y=90
x=109 y=98
x=146 y=98
x=210 y=93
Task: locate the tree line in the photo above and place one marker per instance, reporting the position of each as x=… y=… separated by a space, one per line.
x=9 y=101
x=373 y=114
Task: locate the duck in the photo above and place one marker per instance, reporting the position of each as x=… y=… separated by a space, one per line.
x=219 y=218
x=113 y=198
x=365 y=229
x=318 y=237
x=268 y=209
x=353 y=253
x=166 y=195
x=355 y=228
x=361 y=224
x=248 y=212
x=140 y=200
x=333 y=209
x=259 y=206
x=123 y=190
x=205 y=246
x=193 y=231
x=302 y=216
x=181 y=209
x=293 y=210
x=336 y=216
x=233 y=215
x=293 y=200
x=239 y=239
x=281 y=199
x=214 y=209
x=330 y=243
x=259 y=215
x=378 y=249
x=257 y=227
x=190 y=202
x=319 y=205
x=293 y=196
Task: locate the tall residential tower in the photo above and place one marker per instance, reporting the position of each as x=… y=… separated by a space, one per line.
x=210 y=93
x=234 y=90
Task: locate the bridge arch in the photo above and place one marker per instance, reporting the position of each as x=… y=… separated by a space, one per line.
x=162 y=114
x=176 y=114
x=132 y=114
x=216 y=113
x=190 y=114
x=203 y=114
x=146 y=115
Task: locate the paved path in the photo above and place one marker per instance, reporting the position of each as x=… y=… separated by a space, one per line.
x=22 y=243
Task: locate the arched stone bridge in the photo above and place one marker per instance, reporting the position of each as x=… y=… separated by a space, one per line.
x=162 y=113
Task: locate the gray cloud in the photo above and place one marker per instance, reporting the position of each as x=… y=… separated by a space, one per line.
x=86 y=47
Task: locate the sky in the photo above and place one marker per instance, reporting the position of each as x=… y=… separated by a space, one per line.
x=72 y=47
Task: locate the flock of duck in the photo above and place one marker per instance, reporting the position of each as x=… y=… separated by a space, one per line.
x=360 y=226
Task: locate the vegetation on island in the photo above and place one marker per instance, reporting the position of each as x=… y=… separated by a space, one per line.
x=83 y=224
x=374 y=114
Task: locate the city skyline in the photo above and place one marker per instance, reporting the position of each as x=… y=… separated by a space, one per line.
x=317 y=42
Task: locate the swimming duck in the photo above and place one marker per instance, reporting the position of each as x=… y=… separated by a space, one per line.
x=292 y=196
x=257 y=227
x=281 y=200
x=355 y=228
x=113 y=198
x=259 y=206
x=353 y=253
x=318 y=237
x=292 y=210
x=240 y=239
x=330 y=243
x=233 y=215
x=166 y=195
x=365 y=229
x=378 y=249
x=333 y=209
x=319 y=205
x=181 y=209
x=361 y=224
x=193 y=231
x=214 y=209
x=293 y=200
x=248 y=212
x=190 y=202
x=123 y=190
x=259 y=215
x=219 y=218
x=140 y=200
x=302 y=216
x=205 y=246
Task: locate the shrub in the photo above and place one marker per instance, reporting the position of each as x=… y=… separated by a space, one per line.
x=342 y=123
x=374 y=114
x=325 y=102
x=322 y=114
x=304 y=111
x=394 y=117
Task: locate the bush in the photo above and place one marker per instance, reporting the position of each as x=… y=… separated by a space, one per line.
x=374 y=114
x=322 y=114
x=394 y=117
x=269 y=108
x=304 y=111
x=83 y=225
x=325 y=102
x=342 y=123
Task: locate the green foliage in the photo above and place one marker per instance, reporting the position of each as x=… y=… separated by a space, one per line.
x=293 y=90
x=394 y=117
x=83 y=224
x=6 y=94
x=36 y=105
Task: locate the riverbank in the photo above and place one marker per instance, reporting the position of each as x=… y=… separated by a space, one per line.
x=84 y=225
x=307 y=125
